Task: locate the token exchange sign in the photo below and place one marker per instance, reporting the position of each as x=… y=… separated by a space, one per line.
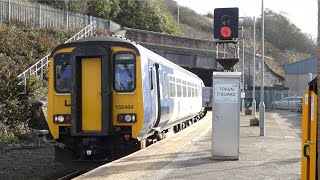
x=226 y=93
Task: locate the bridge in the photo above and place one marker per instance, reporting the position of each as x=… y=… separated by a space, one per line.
x=197 y=55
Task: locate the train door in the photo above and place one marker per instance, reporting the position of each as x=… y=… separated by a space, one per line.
x=309 y=136
x=155 y=94
x=91 y=91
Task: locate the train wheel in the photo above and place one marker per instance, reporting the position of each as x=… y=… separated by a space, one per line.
x=164 y=135
x=158 y=136
x=176 y=128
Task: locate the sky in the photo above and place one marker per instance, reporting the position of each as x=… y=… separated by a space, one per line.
x=302 y=13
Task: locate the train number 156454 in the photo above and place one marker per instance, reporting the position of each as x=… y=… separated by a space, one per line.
x=124 y=106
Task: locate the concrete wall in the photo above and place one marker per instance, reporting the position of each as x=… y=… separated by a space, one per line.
x=187 y=52
x=298 y=82
x=270 y=79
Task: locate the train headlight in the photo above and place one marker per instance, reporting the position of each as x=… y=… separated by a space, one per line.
x=126 y=118
x=62 y=118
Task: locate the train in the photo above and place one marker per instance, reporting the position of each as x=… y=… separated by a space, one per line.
x=108 y=95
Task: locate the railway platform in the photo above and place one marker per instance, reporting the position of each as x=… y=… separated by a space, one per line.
x=187 y=154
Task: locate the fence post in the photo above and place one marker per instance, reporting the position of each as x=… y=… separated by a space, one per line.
x=67 y=20
x=288 y=100
x=9 y=10
x=40 y=22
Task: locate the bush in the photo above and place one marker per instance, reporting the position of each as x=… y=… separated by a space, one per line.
x=26 y=44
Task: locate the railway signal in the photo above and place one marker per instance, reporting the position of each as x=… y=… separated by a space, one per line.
x=226 y=23
x=226 y=35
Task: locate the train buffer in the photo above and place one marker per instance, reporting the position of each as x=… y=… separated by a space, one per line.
x=187 y=154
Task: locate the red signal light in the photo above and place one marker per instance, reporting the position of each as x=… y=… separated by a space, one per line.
x=225 y=32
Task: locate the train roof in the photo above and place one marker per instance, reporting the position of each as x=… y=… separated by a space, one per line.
x=115 y=41
x=98 y=41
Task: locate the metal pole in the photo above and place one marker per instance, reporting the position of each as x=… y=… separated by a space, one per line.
x=262 y=106
x=9 y=10
x=254 y=69
x=67 y=15
x=243 y=102
x=40 y=18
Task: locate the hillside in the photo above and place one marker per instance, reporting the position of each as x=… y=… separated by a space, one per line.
x=284 y=41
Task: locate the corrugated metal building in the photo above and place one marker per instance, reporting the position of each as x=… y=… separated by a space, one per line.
x=297 y=75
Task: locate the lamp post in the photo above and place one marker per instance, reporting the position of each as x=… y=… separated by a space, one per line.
x=262 y=106
x=254 y=69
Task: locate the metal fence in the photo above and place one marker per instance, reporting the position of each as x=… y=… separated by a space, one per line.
x=277 y=99
x=47 y=17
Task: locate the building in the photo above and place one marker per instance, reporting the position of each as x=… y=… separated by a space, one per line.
x=298 y=74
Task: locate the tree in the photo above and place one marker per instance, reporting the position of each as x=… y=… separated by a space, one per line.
x=107 y=9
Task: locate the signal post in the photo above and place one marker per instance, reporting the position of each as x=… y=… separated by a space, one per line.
x=226 y=86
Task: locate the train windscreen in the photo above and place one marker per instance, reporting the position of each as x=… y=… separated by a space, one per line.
x=62 y=72
x=124 y=69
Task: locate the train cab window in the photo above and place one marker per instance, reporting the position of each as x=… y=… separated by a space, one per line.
x=62 y=73
x=124 y=72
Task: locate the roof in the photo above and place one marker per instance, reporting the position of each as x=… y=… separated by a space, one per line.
x=302 y=67
x=99 y=41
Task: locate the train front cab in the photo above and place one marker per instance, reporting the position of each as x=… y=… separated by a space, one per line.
x=309 y=163
x=93 y=100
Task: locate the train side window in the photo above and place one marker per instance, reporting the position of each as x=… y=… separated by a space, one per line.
x=179 y=93
x=172 y=86
x=124 y=72
x=192 y=90
x=62 y=73
x=196 y=90
x=189 y=89
x=165 y=85
x=184 y=87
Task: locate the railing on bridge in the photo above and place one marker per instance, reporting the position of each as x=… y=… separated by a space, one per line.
x=40 y=66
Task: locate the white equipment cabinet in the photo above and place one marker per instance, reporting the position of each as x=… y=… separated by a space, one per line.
x=226 y=115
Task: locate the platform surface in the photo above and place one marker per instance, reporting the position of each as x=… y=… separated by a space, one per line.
x=187 y=154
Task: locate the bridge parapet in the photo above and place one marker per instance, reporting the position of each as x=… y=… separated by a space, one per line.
x=150 y=37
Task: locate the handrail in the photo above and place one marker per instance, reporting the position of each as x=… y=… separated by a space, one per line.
x=43 y=63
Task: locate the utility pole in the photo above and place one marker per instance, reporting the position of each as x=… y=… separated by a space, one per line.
x=262 y=106
x=243 y=102
x=254 y=69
